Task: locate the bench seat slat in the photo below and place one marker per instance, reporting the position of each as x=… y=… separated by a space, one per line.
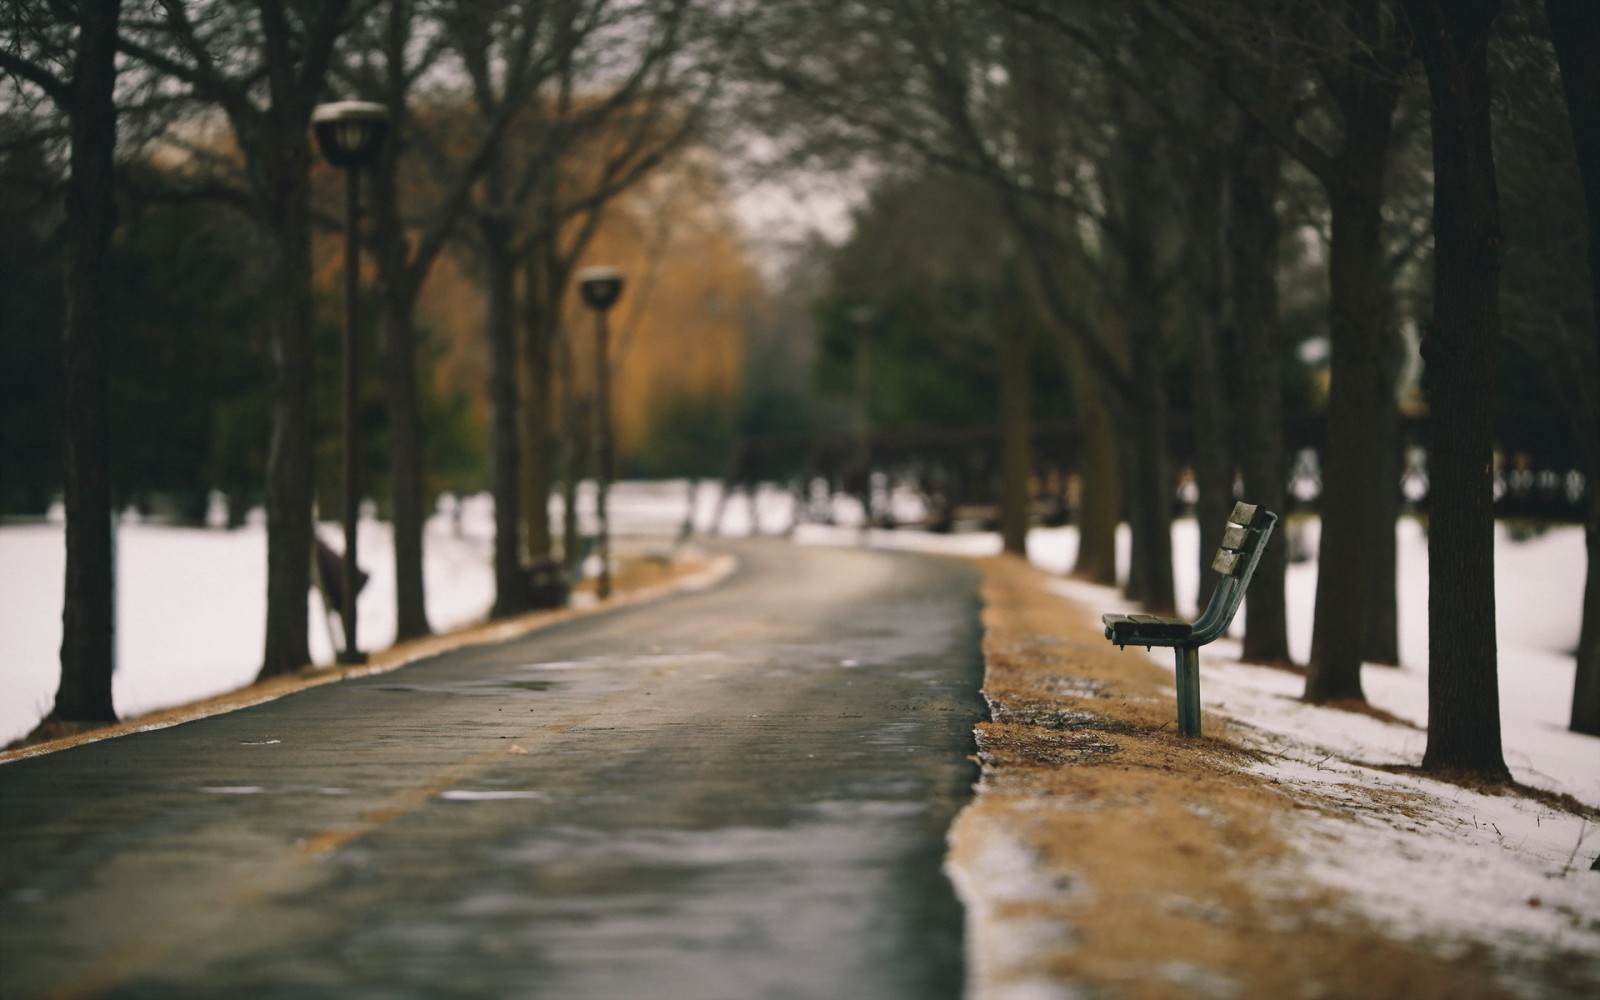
x=1247 y=514
x=1230 y=563
x=1237 y=537
x=1133 y=630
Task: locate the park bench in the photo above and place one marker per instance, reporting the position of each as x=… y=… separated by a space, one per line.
x=1243 y=541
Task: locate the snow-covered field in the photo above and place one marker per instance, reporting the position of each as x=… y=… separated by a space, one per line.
x=191 y=602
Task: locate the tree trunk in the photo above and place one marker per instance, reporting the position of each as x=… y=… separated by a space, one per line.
x=1359 y=392
x=1252 y=229
x=405 y=457
x=399 y=285
x=574 y=456
x=1100 y=511
x=1459 y=346
x=506 y=475
x=1575 y=30
x=1099 y=469
x=289 y=488
x=88 y=635
x=1016 y=452
x=1380 y=641
x=1212 y=458
x=539 y=320
x=1149 y=477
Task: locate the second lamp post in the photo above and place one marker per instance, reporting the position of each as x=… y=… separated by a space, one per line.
x=351 y=134
x=601 y=287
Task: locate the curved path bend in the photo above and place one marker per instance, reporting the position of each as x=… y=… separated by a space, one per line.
x=738 y=793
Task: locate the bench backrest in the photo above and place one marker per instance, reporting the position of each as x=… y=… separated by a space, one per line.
x=1243 y=541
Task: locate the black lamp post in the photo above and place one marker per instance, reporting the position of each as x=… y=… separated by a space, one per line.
x=601 y=287
x=351 y=134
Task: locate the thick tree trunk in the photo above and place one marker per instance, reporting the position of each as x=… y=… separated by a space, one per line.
x=1359 y=393
x=405 y=458
x=1252 y=230
x=1100 y=510
x=289 y=488
x=399 y=285
x=1149 y=478
x=1209 y=427
x=1016 y=450
x=1459 y=347
x=88 y=636
x=1380 y=641
x=1099 y=469
x=1575 y=30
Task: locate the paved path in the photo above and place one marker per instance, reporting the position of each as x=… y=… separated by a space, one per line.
x=740 y=793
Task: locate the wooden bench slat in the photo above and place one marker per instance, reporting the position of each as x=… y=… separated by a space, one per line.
x=1237 y=537
x=1133 y=630
x=1230 y=563
x=1247 y=514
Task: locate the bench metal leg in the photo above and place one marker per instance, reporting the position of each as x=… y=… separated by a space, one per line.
x=1188 y=671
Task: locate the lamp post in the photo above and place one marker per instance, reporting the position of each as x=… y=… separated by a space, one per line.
x=601 y=287
x=351 y=134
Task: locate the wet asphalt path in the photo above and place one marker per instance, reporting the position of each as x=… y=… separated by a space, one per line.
x=740 y=793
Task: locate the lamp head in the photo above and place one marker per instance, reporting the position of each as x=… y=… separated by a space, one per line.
x=350 y=133
x=600 y=286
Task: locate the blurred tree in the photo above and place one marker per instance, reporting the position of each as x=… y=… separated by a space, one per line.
x=263 y=65
x=614 y=93
x=31 y=321
x=1575 y=31
x=949 y=322
x=188 y=291
x=72 y=63
x=421 y=187
x=1324 y=80
x=1459 y=347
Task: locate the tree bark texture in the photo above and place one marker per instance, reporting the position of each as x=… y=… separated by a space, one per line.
x=398 y=287
x=278 y=144
x=1209 y=427
x=1252 y=238
x=88 y=636
x=1575 y=30
x=1359 y=392
x=1016 y=452
x=540 y=317
x=1100 y=510
x=504 y=445
x=289 y=487
x=1148 y=476
x=405 y=459
x=1458 y=348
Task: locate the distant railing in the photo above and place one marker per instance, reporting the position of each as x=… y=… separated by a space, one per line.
x=1539 y=470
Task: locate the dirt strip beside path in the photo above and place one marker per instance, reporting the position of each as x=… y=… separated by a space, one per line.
x=1106 y=855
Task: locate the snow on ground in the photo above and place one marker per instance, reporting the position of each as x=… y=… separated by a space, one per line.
x=1451 y=864
x=191 y=602
x=1426 y=859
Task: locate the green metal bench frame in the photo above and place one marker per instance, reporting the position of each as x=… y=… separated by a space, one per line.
x=1243 y=541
